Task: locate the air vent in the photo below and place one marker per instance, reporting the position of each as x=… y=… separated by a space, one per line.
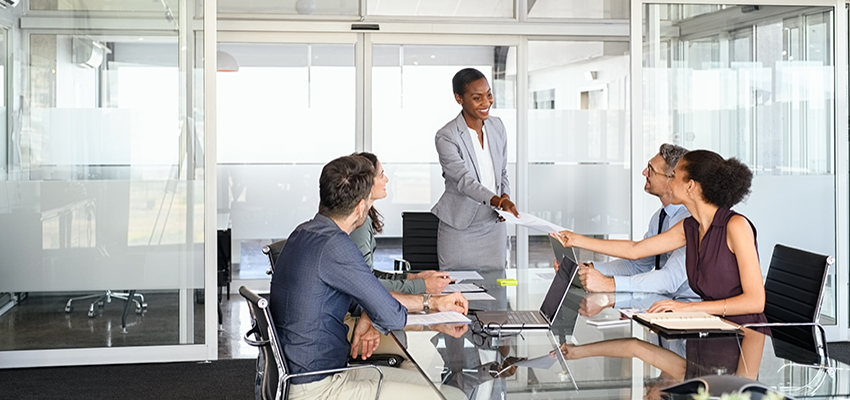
x=365 y=27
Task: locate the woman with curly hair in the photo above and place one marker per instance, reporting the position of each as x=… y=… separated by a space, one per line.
x=721 y=251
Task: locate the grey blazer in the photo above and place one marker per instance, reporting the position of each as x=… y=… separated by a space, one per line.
x=464 y=192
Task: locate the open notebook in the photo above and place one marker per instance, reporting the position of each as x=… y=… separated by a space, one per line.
x=687 y=323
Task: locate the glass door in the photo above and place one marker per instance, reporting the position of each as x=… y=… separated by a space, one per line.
x=287 y=110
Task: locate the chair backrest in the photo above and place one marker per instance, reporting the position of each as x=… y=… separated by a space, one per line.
x=273 y=366
x=272 y=251
x=793 y=293
x=419 y=239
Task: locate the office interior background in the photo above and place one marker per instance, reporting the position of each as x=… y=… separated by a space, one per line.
x=124 y=151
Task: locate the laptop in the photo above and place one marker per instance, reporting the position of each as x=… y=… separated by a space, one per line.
x=542 y=318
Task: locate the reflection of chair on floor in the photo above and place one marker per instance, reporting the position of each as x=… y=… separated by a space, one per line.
x=101 y=298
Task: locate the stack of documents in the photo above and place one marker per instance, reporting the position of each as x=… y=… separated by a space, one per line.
x=446 y=317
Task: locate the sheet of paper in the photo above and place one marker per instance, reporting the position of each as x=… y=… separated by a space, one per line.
x=462 y=287
x=478 y=296
x=459 y=276
x=546 y=276
x=542 y=362
x=445 y=317
x=531 y=221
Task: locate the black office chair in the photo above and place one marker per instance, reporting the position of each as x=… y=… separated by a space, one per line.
x=275 y=373
x=419 y=239
x=272 y=251
x=793 y=294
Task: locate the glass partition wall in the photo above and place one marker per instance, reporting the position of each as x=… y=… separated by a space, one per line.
x=105 y=188
x=755 y=82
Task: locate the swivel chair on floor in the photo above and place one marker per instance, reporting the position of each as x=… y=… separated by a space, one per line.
x=101 y=298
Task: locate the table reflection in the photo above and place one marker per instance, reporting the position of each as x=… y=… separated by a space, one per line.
x=575 y=359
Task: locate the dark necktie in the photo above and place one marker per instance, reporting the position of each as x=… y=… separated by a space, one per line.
x=660 y=227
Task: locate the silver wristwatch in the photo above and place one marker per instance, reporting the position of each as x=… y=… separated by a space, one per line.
x=426 y=299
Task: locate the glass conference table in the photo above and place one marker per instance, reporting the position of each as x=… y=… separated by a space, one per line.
x=619 y=361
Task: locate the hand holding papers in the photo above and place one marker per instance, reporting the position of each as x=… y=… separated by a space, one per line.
x=530 y=221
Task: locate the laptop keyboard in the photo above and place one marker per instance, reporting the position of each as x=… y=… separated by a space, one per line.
x=523 y=317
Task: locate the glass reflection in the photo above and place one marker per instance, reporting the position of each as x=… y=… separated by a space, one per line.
x=756 y=83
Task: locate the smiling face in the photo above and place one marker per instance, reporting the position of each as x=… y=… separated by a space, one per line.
x=680 y=184
x=379 y=187
x=476 y=99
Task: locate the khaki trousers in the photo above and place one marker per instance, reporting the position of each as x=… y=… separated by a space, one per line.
x=363 y=383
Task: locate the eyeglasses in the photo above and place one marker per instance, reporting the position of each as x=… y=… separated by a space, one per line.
x=652 y=171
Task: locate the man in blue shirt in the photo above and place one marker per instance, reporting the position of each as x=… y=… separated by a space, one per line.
x=664 y=274
x=320 y=276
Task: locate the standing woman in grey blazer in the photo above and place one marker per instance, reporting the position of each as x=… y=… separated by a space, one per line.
x=473 y=154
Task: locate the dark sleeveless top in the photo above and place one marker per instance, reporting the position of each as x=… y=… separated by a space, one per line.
x=712 y=267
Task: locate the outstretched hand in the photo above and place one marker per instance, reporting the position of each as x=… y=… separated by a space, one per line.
x=566 y=238
x=366 y=338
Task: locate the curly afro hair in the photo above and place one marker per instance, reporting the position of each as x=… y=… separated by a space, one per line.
x=724 y=182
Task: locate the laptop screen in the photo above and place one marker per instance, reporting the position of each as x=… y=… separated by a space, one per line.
x=558 y=288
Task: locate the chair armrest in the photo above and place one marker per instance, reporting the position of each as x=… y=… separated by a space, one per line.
x=253 y=342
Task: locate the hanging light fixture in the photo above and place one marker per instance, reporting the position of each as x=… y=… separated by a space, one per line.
x=226 y=62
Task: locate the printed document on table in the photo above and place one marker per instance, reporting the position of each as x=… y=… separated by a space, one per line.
x=478 y=296
x=531 y=221
x=459 y=276
x=445 y=317
x=462 y=287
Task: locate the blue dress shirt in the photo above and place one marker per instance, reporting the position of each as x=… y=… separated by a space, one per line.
x=319 y=277
x=641 y=276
